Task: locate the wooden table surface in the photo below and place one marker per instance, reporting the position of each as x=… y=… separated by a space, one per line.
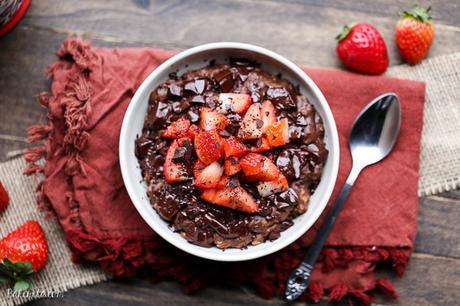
x=302 y=30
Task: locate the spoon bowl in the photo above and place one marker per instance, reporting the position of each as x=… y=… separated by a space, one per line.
x=375 y=130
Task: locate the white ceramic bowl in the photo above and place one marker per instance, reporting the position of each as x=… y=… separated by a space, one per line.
x=199 y=57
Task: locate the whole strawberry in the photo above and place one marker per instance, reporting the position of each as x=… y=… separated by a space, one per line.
x=362 y=49
x=22 y=253
x=4 y=198
x=415 y=34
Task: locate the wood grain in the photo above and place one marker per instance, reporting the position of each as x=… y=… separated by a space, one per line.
x=438 y=227
x=302 y=31
x=428 y=282
x=445 y=12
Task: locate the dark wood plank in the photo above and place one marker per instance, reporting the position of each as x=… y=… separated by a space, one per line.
x=438 y=226
x=428 y=281
x=304 y=32
x=445 y=12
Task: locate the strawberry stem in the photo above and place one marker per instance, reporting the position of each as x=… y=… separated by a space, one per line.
x=19 y=272
x=419 y=13
x=345 y=31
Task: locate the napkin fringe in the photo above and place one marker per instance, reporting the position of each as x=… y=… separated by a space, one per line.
x=75 y=102
x=126 y=257
x=333 y=258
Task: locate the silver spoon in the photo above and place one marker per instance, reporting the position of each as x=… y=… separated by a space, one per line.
x=372 y=138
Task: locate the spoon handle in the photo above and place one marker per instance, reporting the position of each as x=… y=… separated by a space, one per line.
x=300 y=278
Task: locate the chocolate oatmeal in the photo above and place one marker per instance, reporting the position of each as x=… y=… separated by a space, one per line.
x=230 y=154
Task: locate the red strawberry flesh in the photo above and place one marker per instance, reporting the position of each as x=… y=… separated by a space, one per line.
x=207 y=146
x=211 y=120
x=266 y=188
x=232 y=166
x=251 y=126
x=207 y=176
x=235 y=198
x=278 y=133
x=177 y=129
x=258 y=167
x=233 y=147
x=237 y=103
x=268 y=114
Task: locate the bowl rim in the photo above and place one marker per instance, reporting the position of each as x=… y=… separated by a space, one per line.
x=195 y=249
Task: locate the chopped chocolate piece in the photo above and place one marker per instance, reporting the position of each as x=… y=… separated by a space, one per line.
x=281 y=97
x=190 y=86
x=193 y=116
x=179 y=106
x=224 y=133
x=173 y=75
x=200 y=85
x=233 y=182
x=175 y=90
x=179 y=155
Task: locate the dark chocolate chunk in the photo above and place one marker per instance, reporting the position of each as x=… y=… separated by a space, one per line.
x=200 y=85
x=180 y=106
x=175 y=90
x=193 y=116
x=233 y=182
x=198 y=99
x=179 y=155
x=173 y=75
x=224 y=133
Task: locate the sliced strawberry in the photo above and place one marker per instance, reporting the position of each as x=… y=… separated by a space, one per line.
x=237 y=103
x=270 y=187
x=232 y=166
x=233 y=147
x=278 y=133
x=224 y=180
x=251 y=126
x=210 y=120
x=207 y=146
x=259 y=167
x=177 y=129
x=262 y=146
x=174 y=172
x=235 y=198
x=267 y=114
x=192 y=131
x=207 y=176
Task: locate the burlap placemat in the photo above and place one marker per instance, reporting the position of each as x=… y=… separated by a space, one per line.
x=60 y=274
x=440 y=171
x=440 y=157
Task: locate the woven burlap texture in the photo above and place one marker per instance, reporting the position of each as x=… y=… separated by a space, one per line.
x=440 y=171
x=440 y=155
x=60 y=274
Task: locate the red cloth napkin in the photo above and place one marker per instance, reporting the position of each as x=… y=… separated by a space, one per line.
x=90 y=92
